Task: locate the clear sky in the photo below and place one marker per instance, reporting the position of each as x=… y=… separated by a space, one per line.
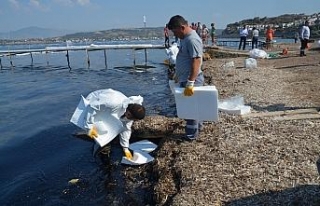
x=94 y=15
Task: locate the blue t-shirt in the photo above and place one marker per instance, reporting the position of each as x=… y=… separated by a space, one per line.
x=190 y=47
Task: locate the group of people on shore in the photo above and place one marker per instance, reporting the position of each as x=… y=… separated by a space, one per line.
x=204 y=32
x=244 y=33
x=303 y=35
x=201 y=29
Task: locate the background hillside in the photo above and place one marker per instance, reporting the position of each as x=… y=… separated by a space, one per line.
x=123 y=34
x=285 y=26
x=33 y=32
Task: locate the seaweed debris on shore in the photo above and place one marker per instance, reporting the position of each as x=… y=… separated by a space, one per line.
x=241 y=161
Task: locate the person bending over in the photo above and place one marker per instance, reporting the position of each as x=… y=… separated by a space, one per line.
x=110 y=102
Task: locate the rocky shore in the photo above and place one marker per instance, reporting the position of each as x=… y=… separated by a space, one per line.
x=268 y=157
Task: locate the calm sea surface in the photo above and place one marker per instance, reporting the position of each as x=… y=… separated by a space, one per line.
x=38 y=153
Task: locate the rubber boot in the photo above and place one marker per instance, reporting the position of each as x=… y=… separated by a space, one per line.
x=301 y=53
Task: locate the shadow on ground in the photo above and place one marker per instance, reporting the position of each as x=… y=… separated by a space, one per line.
x=277 y=107
x=300 y=195
x=296 y=66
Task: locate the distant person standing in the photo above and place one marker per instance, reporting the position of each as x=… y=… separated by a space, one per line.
x=305 y=35
x=296 y=37
x=243 y=37
x=204 y=34
x=213 y=34
x=199 y=29
x=255 y=37
x=269 y=37
x=166 y=36
x=188 y=65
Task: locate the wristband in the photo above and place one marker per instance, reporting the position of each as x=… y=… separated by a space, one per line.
x=190 y=83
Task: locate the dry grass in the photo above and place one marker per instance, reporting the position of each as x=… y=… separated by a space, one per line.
x=243 y=161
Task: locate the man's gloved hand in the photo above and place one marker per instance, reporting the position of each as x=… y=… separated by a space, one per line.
x=93 y=133
x=127 y=153
x=188 y=91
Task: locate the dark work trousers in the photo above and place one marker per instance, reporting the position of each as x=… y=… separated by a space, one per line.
x=254 y=42
x=304 y=44
x=243 y=40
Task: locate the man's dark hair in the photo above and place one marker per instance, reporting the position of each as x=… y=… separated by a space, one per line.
x=176 y=21
x=138 y=111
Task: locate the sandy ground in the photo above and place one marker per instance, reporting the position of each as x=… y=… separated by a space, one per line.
x=266 y=159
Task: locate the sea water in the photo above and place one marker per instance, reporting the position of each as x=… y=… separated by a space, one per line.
x=38 y=153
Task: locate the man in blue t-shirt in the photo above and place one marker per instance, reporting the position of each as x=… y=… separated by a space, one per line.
x=188 y=64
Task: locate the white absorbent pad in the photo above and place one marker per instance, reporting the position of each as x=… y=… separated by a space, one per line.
x=143 y=145
x=78 y=117
x=108 y=127
x=140 y=153
x=139 y=158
